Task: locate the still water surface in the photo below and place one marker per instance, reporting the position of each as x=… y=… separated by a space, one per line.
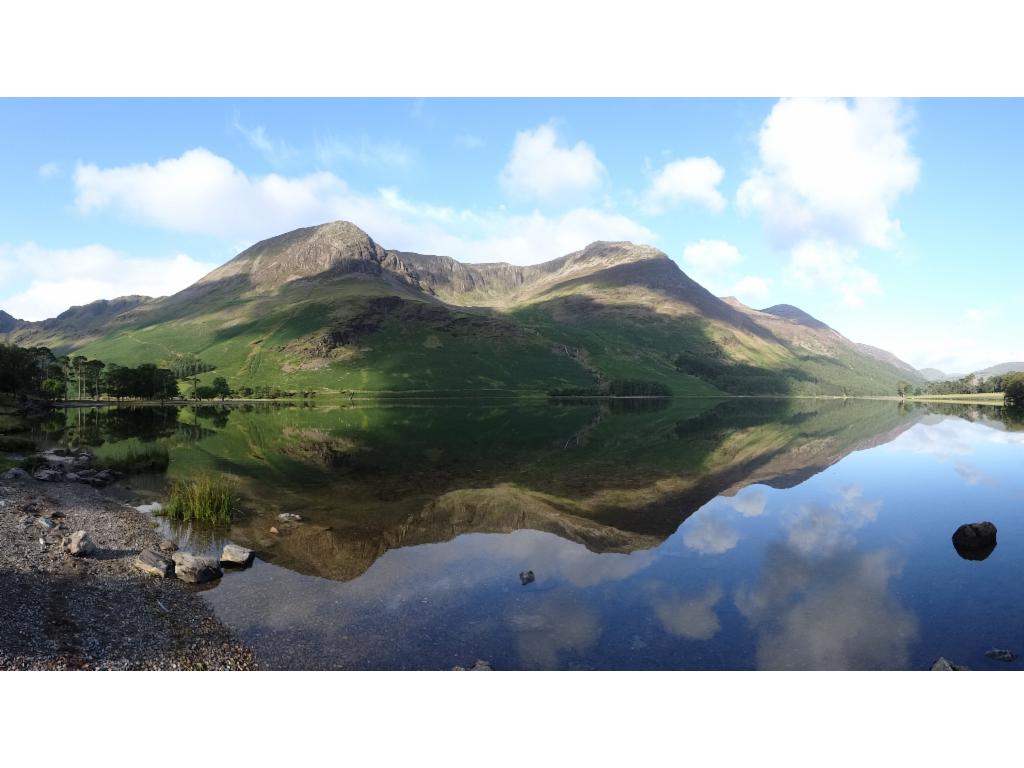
x=739 y=534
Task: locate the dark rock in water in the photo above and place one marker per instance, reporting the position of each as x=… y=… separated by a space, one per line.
x=79 y=544
x=195 y=569
x=236 y=555
x=15 y=474
x=975 y=541
x=943 y=664
x=999 y=654
x=155 y=564
x=526 y=577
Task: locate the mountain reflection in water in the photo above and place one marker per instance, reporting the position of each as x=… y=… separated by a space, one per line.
x=691 y=534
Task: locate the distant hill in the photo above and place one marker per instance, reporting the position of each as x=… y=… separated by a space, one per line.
x=1000 y=369
x=934 y=374
x=326 y=308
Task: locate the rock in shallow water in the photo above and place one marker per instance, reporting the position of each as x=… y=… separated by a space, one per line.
x=168 y=546
x=999 y=654
x=195 y=569
x=79 y=544
x=155 y=564
x=975 y=541
x=289 y=517
x=236 y=555
x=943 y=664
x=526 y=577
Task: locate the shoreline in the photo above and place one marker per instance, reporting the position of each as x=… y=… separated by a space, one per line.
x=96 y=612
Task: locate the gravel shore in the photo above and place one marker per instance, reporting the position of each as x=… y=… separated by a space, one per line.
x=97 y=612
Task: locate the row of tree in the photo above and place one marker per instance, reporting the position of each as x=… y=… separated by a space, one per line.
x=37 y=372
x=1010 y=384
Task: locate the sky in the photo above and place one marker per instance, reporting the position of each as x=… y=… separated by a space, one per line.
x=896 y=222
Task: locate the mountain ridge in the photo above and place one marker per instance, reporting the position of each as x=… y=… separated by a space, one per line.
x=328 y=306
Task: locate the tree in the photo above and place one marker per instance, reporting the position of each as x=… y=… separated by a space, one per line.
x=1013 y=389
x=220 y=388
x=903 y=389
x=187 y=366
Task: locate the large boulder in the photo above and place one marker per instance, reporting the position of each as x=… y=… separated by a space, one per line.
x=15 y=474
x=975 y=541
x=155 y=564
x=79 y=544
x=48 y=475
x=236 y=555
x=195 y=569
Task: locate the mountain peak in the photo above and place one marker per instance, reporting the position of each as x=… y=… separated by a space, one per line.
x=302 y=253
x=7 y=322
x=795 y=314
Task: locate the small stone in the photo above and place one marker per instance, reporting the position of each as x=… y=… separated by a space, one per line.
x=166 y=545
x=1000 y=654
x=195 y=569
x=79 y=544
x=45 y=523
x=526 y=577
x=274 y=530
x=56 y=514
x=942 y=664
x=289 y=517
x=155 y=564
x=482 y=666
x=236 y=555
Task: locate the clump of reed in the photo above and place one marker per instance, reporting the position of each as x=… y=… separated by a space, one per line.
x=204 y=499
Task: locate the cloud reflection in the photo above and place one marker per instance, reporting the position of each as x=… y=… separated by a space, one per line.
x=693 y=618
x=709 y=536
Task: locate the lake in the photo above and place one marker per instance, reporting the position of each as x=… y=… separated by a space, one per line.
x=685 y=534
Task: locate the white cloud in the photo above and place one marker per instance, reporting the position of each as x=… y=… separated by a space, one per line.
x=709 y=536
x=48 y=170
x=815 y=263
x=189 y=194
x=711 y=257
x=693 y=180
x=693 y=618
x=61 y=278
x=818 y=530
x=830 y=172
x=539 y=168
x=830 y=168
x=751 y=288
x=750 y=503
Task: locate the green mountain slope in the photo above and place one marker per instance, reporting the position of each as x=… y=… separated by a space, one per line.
x=326 y=308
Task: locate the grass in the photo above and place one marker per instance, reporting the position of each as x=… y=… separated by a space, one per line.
x=205 y=499
x=135 y=457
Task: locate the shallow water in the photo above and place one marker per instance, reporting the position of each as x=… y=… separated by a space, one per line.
x=738 y=534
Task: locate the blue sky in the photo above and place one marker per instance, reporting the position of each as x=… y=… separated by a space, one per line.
x=896 y=222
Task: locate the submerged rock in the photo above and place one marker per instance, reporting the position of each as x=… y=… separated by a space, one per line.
x=195 y=569
x=236 y=555
x=526 y=577
x=155 y=564
x=480 y=666
x=1000 y=654
x=975 y=541
x=942 y=664
x=79 y=544
x=166 y=545
x=289 y=517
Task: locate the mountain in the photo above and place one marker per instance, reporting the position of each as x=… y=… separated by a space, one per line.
x=326 y=308
x=934 y=374
x=7 y=323
x=1000 y=369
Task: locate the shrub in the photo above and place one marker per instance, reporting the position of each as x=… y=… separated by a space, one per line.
x=205 y=499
